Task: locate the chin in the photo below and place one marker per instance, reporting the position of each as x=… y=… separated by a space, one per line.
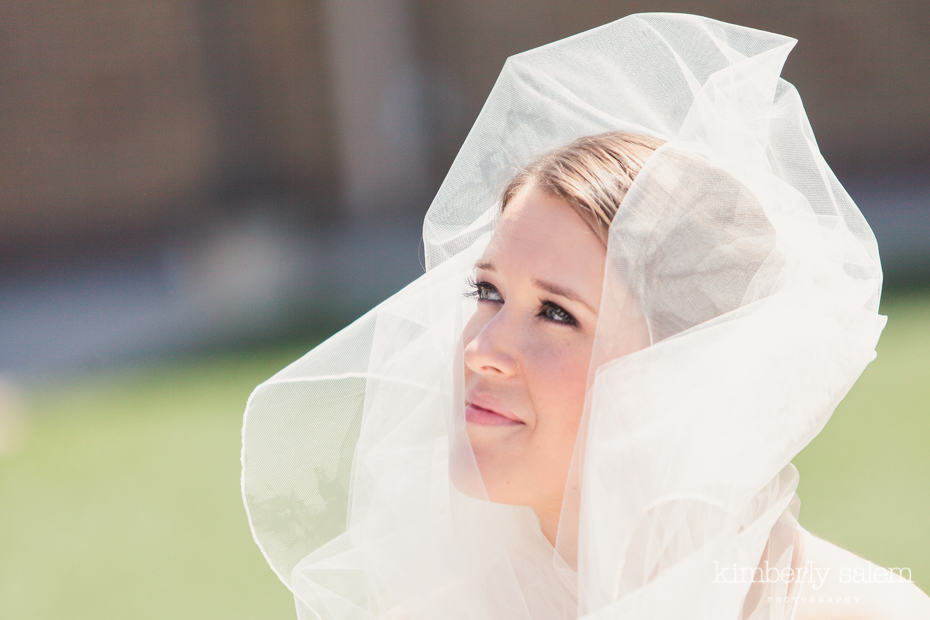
x=503 y=484
x=482 y=477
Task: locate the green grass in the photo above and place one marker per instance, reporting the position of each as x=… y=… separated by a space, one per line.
x=865 y=480
x=122 y=499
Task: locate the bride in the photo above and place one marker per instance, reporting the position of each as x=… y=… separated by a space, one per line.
x=528 y=345
x=667 y=292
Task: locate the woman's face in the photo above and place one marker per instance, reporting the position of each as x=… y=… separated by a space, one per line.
x=528 y=345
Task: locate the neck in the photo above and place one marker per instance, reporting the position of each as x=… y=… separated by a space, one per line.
x=550 y=519
x=548 y=515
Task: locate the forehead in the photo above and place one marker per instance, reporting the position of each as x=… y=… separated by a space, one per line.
x=541 y=236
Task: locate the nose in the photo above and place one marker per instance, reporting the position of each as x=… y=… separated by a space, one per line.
x=492 y=349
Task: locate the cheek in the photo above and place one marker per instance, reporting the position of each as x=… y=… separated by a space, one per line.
x=561 y=372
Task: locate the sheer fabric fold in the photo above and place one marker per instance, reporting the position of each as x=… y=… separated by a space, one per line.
x=758 y=279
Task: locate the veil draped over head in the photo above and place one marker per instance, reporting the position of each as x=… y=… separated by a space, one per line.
x=758 y=280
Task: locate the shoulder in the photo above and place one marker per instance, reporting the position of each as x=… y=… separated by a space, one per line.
x=840 y=585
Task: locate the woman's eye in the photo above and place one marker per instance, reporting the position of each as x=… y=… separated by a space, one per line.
x=557 y=314
x=483 y=291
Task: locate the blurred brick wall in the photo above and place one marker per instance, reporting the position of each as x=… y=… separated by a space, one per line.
x=118 y=117
x=103 y=118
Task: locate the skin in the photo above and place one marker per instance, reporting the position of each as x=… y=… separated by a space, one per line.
x=529 y=348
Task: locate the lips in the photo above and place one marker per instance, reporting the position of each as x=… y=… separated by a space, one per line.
x=486 y=410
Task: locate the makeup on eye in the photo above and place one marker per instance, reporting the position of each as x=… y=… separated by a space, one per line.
x=550 y=311
x=564 y=316
x=480 y=290
x=549 y=287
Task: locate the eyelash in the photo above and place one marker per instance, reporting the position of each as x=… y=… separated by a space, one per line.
x=476 y=289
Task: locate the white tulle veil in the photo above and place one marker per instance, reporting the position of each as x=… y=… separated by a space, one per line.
x=759 y=282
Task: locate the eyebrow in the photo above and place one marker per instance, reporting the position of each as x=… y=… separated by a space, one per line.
x=546 y=286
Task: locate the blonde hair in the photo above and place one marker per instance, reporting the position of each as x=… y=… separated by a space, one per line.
x=591 y=174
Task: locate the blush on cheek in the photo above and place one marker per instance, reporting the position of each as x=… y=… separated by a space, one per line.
x=570 y=365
